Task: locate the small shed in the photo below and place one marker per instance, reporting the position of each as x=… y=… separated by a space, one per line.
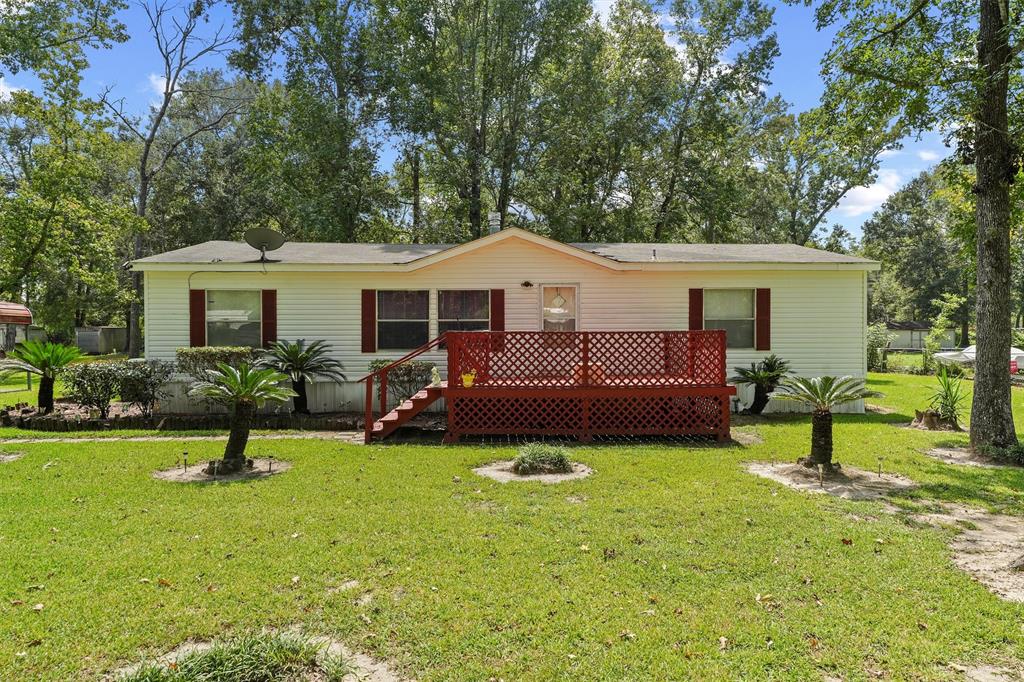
x=14 y=323
x=101 y=340
x=910 y=335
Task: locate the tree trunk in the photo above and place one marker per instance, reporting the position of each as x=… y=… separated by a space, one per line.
x=991 y=416
x=821 y=440
x=46 y=394
x=299 y=402
x=760 y=400
x=417 y=218
x=238 y=438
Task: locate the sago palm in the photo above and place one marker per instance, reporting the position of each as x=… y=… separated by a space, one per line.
x=242 y=390
x=822 y=395
x=764 y=376
x=302 y=363
x=44 y=359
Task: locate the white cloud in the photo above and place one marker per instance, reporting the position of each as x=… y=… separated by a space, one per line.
x=928 y=155
x=6 y=89
x=863 y=200
x=157 y=84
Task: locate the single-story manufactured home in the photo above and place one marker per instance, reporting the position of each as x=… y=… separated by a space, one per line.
x=373 y=301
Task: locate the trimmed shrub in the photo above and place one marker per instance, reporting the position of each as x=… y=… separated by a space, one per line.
x=196 y=362
x=141 y=383
x=94 y=384
x=405 y=380
x=541 y=458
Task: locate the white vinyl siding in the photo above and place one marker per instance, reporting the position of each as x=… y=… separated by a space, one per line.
x=818 y=316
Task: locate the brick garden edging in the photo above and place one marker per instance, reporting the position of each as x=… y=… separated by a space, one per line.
x=169 y=422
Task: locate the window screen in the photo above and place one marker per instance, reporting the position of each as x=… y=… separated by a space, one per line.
x=733 y=311
x=403 y=319
x=233 y=318
x=463 y=310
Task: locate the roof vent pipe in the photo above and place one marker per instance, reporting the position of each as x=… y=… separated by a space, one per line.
x=493 y=221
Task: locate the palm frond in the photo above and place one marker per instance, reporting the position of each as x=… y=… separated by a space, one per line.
x=229 y=385
x=39 y=357
x=301 y=362
x=824 y=393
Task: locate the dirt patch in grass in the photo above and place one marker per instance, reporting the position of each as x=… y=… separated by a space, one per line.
x=502 y=473
x=878 y=409
x=746 y=437
x=986 y=673
x=850 y=483
x=918 y=426
x=262 y=467
x=989 y=546
x=964 y=456
x=6 y=457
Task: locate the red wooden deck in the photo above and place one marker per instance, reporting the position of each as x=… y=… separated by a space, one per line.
x=587 y=384
x=580 y=384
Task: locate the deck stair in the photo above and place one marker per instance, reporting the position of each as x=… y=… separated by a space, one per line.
x=389 y=423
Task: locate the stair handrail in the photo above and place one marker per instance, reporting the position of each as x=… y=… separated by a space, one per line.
x=383 y=373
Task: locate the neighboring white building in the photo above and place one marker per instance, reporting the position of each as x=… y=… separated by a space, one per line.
x=382 y=300
x=910 y=335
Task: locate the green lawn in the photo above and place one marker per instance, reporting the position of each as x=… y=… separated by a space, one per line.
x=634 y=573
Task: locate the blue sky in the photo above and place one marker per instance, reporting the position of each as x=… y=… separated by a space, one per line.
x=132 y=70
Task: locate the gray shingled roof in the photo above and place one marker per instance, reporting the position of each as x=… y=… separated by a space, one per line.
x=383 y=254
x=717 y=253
x=299 y=252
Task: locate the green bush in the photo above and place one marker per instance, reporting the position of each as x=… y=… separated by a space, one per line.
x=1011 y=455
x=405 y=380
x=141 y=383
x=94 y=384
x=878 y=339
x=196 y=362
x=541 y=458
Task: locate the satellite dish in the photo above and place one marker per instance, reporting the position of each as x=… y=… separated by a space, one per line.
x=265 y=240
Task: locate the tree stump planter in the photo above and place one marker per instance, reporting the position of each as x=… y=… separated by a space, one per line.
x=930 y=420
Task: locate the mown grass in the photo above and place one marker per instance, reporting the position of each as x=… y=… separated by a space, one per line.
x=472 y=579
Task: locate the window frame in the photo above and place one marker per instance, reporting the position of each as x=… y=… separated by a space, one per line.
x=437 y=300
x=752 y=319
x=378 y=319
x=206 y=311
x=576 y=304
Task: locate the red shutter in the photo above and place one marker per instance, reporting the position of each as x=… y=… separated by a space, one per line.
x=196 y=317
x=269 y=316
x=696 y=309
x=369 y=321
x=497 y=310
x=763 y=320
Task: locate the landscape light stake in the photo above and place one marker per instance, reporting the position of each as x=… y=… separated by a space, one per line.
x=821 y=475
x=270 y=464
x=185 y=458
x=216 y=466
x=880 y=458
